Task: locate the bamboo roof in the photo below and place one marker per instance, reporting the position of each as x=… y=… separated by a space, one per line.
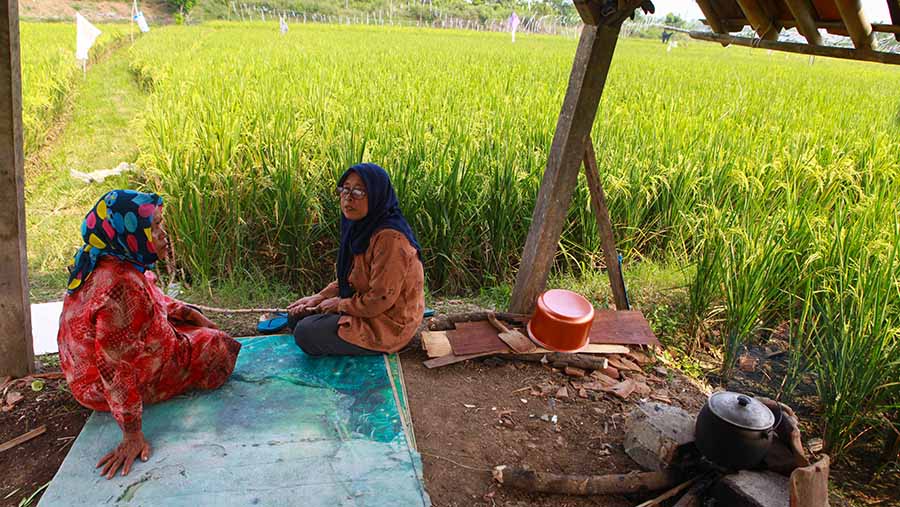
x=768 y=18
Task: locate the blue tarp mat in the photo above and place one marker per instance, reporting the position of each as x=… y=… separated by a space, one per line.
x=286 y=429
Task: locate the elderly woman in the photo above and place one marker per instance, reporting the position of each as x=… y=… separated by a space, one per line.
x=377 y=301
x=122 y=342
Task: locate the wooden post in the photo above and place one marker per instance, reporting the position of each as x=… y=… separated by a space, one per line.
x=803 y=49
x=586 y=81
x=16 y=349
x=604 y=224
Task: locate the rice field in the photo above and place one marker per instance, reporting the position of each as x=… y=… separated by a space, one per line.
x=772 y=179
x=49 y=70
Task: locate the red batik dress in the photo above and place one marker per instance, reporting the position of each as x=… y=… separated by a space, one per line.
x=122 y=343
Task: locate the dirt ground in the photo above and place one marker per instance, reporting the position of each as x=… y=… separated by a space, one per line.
x=29 y=466
x=468 y=418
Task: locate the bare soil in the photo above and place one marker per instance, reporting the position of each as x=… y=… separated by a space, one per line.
x=156 y=11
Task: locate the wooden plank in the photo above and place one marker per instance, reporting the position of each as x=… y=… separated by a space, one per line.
x=802 y=11
x=604 y=224
x=436 y=343
x=586 y=81
x=857 y=25
x=16 y=350
x=609 y=328
x=24 y=437
x=804 y=49
x=622 y=328
x=831 y=26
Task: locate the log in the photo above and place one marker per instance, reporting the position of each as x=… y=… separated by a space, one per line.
x=604 y=225
x=24 y=437
x=565 y=359
x=668 y=494
x=804 y=49
x=545 y=482
x=586 y=82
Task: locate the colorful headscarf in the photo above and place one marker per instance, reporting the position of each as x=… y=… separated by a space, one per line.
x=118 y=226
x=384 y=213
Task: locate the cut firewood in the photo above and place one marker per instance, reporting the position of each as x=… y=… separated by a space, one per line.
x=5 y=381
x=436 y=343
x=623 y=364
x=545 y=482
x=53 y=375
x=668 y=494
x=21 y=439
x=579 y=360
x=639 y=357
x=623 y=389
x=572 y=371
x=603 y=379
x=452 y=359
x=610 y=372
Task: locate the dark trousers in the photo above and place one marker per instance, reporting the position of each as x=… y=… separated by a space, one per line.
x=317 y=336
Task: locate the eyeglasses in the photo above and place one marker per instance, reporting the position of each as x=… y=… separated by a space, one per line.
x=354 y=193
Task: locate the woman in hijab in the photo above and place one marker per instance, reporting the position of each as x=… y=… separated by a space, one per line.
x=376 y=304
x=122 y=342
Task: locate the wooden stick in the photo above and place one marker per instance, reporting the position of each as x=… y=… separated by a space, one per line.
x=805 y=49
x=668 y=494
x=24 y=437
x=604 y=224
x=237 y=310
x=545 y=482
x=828 y=25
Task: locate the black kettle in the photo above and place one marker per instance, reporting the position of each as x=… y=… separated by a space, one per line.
x=734 y=430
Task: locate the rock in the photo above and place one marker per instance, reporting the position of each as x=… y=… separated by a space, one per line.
x=610 y=372
x=656 y=434
x=562 y=393
x=747 y=363
x=752 y=489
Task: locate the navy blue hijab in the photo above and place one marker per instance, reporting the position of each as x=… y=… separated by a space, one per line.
x=384 y=213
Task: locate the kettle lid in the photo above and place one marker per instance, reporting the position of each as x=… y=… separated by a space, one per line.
x=741 y=410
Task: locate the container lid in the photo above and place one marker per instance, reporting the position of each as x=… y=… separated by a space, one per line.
x=567 y=305
x=741 y=410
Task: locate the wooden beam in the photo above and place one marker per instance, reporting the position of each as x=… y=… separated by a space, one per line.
x=759 y=19
x=712 y=16
x=828 y=25
x=589 y=70
x=857 y=26
x=806 y=23
x=604 y=224
x=804 y=49
x=16 y=349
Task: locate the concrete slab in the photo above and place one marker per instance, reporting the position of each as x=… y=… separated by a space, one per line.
x=286 y=429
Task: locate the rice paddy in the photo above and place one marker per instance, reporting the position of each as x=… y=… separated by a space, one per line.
x=771 y=178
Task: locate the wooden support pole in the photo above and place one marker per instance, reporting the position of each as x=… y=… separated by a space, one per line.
x=806 y=23
x=759 y=19
x=16 y=349
x=894 y=9
x=857 y=25
x=604 y=224
x=586 y=81
x=804 y=49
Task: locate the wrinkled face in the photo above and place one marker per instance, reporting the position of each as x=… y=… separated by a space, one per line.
x=160 y=237
x=353 y=208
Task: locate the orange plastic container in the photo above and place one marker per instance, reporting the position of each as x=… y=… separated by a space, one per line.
x=562 y=321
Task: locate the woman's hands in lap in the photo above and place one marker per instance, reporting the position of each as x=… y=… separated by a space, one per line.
x=304 y=304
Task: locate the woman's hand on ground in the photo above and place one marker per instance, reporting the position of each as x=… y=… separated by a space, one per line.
x=330 y=305
x=123 y=456
x=304 y=304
